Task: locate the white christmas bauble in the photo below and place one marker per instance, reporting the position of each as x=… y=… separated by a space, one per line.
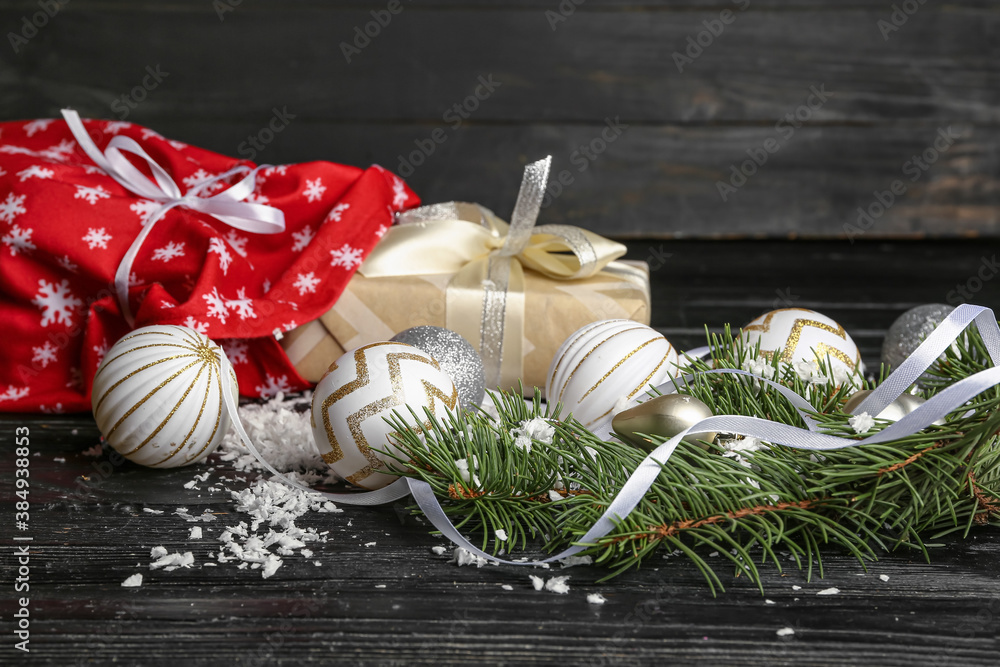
x=798 y=334
x=361 y=388
x=605 y=363
x=157 y=396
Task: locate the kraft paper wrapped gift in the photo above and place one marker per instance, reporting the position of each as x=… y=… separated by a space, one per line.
x=516 y=292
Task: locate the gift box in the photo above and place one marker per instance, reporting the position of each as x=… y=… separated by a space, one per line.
x=107 y=226
x=450 y=264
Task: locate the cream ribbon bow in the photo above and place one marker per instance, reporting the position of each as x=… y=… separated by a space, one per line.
x=485 y=298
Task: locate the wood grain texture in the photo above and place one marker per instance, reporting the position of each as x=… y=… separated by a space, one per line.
x=941 y=64
x=663 y=181
x=888 y=94
x=91 y=532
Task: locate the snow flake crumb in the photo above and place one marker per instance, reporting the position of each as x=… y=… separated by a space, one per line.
x=195 y=533
x=537 y=582
x=596 y=598
x=507 y=587
x=439 y=551
x=861 y=423
x=884 y=577
x=133 y=582
x=571 y=561
x=462 y=557
x=786 y=632
x=558 y=585
x=173 y=561
x=829 y=591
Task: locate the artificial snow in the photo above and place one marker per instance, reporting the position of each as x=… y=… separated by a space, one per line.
x=195 y=533
x=572 y=561
x=173 y=561
x=558 y=585
x=596 y=598
x=133 y=582
x=501 y=534
x=884 y=577
x=861 y=423
x=157 y=552
x=555 y=584
x=439 y=551
x=785 y=632
x=829 y=591
x=462 y=557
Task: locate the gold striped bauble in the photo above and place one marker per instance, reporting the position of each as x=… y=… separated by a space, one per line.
x=157 y=396
x=798 y=334
x=607 y=362
x=359 y=390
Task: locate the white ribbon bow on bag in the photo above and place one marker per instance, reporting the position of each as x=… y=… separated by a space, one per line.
x=229 y=206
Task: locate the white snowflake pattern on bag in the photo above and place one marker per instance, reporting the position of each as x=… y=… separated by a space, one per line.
x=200 y=327
x=218 y=246
x=18 y=240
x=236 y=350
x=216 y=306
x=36 y=126
x=273 y=385
x=35 y=171
x=169 y=251
x=144 y=208
x=58 y=304
x=97 y=238
x=303 y=238
x=314 y=189
x=243 y=305
x=399 y=196
x=12 y=207
x=199 y=177
x=337 y=211
x=237 y=242
x=67 y=264
x=44 y=355
x=346 y=257
x=91 y=195
x=116 y=126
x=306 y=282
x=13 y=393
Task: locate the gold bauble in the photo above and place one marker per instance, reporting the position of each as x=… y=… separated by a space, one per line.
x=899 y=408
x=665 y=416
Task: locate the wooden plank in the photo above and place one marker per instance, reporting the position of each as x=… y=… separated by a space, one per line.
x=90 y=531
x=431 y=612
x=943 y=63
x=663 y=182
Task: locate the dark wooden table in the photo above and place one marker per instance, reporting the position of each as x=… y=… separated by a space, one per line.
x=398 y=603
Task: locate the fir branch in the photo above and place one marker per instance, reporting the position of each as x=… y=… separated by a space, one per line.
x=741 y=504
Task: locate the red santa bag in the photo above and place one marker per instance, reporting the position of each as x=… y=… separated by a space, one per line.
x=66 y=225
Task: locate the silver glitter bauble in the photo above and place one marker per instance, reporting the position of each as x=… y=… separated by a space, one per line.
x=909 y=331
x=665 y=416
x=456 y=357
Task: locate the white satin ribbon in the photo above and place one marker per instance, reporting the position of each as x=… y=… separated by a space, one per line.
x=228 y=206
x=645 y=474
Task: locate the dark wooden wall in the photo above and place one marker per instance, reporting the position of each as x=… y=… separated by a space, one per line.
x=230 y=63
